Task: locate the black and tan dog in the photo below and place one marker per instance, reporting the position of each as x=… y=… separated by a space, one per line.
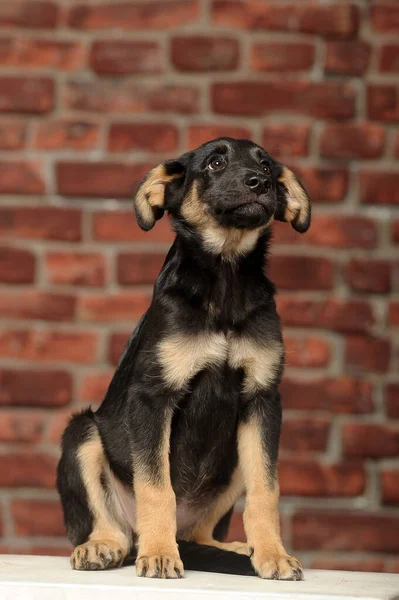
x=192 y=416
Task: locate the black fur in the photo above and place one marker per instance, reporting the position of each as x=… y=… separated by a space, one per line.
x=193 y=279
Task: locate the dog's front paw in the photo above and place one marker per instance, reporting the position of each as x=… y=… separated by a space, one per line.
x=160 y=566
x=277 y=566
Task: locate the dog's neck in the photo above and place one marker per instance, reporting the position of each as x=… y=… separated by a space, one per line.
x=210 y=282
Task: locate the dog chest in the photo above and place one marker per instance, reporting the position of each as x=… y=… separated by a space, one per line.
x=182 y=356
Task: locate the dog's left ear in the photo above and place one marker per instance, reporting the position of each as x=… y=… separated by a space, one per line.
x=293 y=204
x=149 y=201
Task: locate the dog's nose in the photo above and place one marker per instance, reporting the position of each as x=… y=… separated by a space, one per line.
x=257 y=183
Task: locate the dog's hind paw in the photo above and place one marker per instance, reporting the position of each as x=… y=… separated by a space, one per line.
x=94 y=556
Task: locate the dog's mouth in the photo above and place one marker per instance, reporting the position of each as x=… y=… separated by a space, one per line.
x=245 y=214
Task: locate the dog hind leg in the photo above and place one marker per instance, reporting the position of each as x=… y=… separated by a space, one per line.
x=101 y=538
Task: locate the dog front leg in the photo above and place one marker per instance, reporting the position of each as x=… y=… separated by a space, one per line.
x=158 y=554
x=258 y=440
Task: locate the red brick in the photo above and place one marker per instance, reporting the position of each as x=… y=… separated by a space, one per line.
x=117 y=344
x=203 y=53
x=323 y=184
x=236 y=531
x=31 y=469
x=383 y=102
x=21 y=177
x=121 y=226
x=35 y=304
x=139 y=268
x=293 y=272
x=368 y=565
x=201 y=133
x=280 y=57
x=392 y=400
x=328 y=530
x=379 y=187
x=100 y=179
x=367 y=275
x=395 y=232
x=102 y=96
x=367 y=353
x=336 y=20
x=35 y=388
x=310 y=351
x=390 y=486
x=362 y=141
x=37 y=517
x=348 y=57
x=49 y=345
x=68 y=134
x=340 y=395
x=305 y=435
x=61 y=55
x=286 y=140
x=385 y=17
x=21 y=427
x=389 y=58
x=41 y=550
x=73 y=268
x=122 y=306
x=341 y=315
x=370 y=440
x=26 y=94
x=41 y=223
x=394 y=313
x=32 y=15
x=134 y=15
x=123 y=57
x=57 y=424
x=255 y=98
x=344 y=231
x=94 y=387
x=17 y=266
x=309 y=478
x=12 y=135
x=149 y=137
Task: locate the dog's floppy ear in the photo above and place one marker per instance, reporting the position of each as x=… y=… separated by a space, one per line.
x=293 y=204
x=149 y=201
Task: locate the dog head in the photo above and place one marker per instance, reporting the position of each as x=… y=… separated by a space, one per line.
x=225 y=185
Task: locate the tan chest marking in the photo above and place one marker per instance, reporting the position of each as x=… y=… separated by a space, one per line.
x=260 y=362
x=183 y=356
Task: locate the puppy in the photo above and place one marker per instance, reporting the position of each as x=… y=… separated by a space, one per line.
x=192 y=416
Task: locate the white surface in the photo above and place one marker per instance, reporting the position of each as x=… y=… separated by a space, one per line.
x=51 y=578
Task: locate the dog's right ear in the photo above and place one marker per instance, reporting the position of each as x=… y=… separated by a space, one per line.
x=149 y=201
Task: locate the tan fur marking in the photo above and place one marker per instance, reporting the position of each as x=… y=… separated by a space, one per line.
x=107 y=532
x=297 y=200
x=261 y=515
x=152 y=192
x=156 y=516
x=229 y=242
x=202 y=531
x=259 y=361
x=182 y=356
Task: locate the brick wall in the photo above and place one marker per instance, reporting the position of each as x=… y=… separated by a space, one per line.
x=92 y=94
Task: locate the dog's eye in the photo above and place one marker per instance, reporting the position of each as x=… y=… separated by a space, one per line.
x=217 y=164
x=265 y=166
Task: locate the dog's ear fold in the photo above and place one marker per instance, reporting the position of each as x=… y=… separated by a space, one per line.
x=149 y=201
x=293 y=204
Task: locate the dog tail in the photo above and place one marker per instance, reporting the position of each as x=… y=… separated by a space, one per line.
x=197 y=557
